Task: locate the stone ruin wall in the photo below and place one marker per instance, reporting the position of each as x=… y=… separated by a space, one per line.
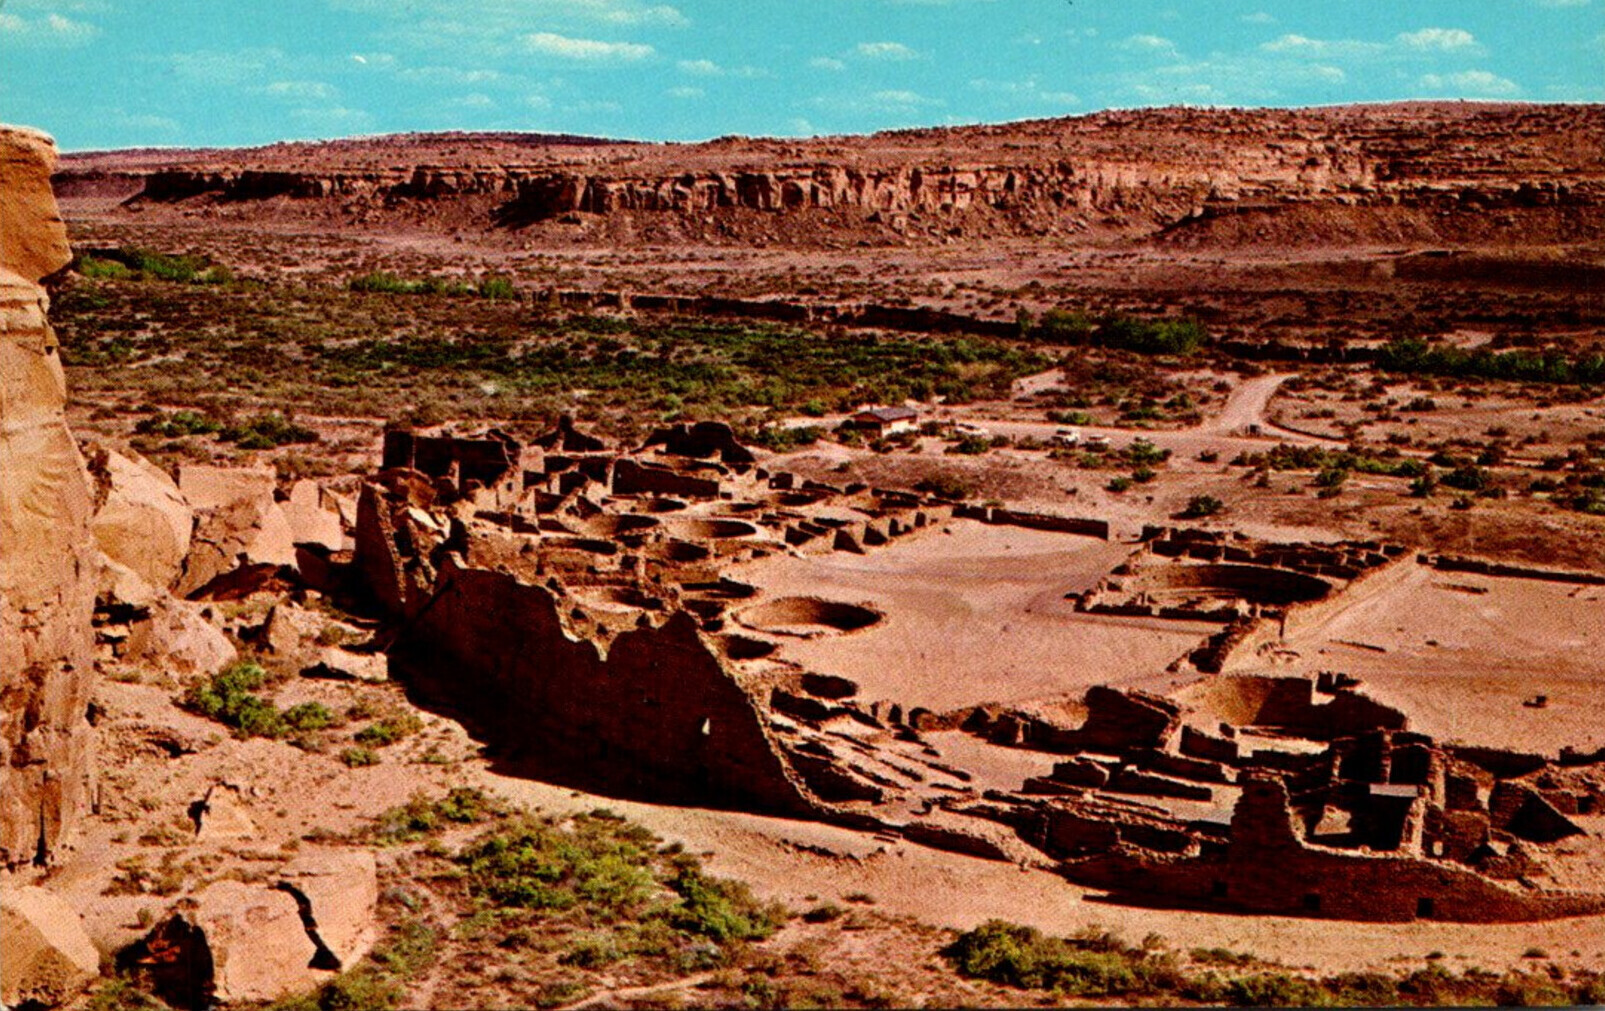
x=1267 y=868
x=48 y=563
x=656 y=715
x=663 y=701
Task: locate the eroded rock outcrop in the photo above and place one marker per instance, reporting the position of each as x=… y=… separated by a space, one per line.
x=45 y=956
x=142 y=523
x=48 y=559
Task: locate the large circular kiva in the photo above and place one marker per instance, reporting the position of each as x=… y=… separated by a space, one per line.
x=710 y=528
x=808 y=617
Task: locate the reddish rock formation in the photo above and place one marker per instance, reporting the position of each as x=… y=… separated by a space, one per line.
x=1397 y=173
x=48 y=560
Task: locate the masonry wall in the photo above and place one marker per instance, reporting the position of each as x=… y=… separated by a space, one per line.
x=1245 y=650
x=1266 y=868
x=657 y=717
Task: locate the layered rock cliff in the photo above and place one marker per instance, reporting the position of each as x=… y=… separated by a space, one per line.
x=1411 y=169
x=48 y=562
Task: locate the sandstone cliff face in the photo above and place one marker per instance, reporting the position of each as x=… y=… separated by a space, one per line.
x=1401 y=172
x=48 y=561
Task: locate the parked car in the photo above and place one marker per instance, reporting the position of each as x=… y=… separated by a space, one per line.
x=1096 y=443
x=1067 y=437
x=965 y=428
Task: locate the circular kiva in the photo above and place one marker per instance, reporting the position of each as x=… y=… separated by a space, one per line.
x=614 y=525
x=710 y=529
x=808 y=617
x=1254 y=583
x=616 y=598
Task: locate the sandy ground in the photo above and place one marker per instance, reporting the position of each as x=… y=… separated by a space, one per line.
x=974 y=613
x=1460 y=662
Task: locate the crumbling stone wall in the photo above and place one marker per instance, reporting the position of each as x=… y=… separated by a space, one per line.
x=48 y=561
x=656 y=715
x=1267 y=868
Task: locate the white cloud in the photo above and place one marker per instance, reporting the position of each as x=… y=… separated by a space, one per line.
x=228 y=68
x=702 y=68
x=451 y=76
x=503 y=15
x=50 y=30
x=661 y=14
x=1440 y=39
x=826 y=63
x=1148 y=44
x=300 y=90
x=1478 y=83
x=884 y=51
x=1301 y=45
x=901 y=96
x=589 y=50
x=685 y=92
x=1259 y=18
x=146 y=124
x=1029 y=90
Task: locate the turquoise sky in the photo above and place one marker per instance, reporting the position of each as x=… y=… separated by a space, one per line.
x=119 y=73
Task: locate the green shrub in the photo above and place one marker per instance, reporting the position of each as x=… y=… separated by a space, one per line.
x=1277 y=989
x=495 y=286
x=227 y=698
x=267 y=431
x=95 y=268
x=177 y=425
x=1200 y=506
x=948 y=486
x=1468 y=477
x=971 y=445
x=385 y=732
x=356 y=758
x=1025 y=957
x=722 y=910
x=1415 y=356
x=409 y=950
x=308 y=716
x=784 y=439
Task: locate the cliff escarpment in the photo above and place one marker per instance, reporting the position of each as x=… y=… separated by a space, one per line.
x=48 y=562
x=1470 y=173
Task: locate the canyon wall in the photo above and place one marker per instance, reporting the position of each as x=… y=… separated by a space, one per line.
x=48 y=563
x=1400 y=173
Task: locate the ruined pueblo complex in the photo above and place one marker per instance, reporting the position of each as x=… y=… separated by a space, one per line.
x=1172 y=523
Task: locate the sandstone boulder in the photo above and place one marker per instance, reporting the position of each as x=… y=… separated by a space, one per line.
x=291 y=632
x=340 y=892
x=45 y=956
x=239 y=525
x=221 y=815
x=176 y=637
x=313 y=516
x=232 y=942
x=48 y=560
x=208 y=487
x=339 y=664
x=141 y=521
